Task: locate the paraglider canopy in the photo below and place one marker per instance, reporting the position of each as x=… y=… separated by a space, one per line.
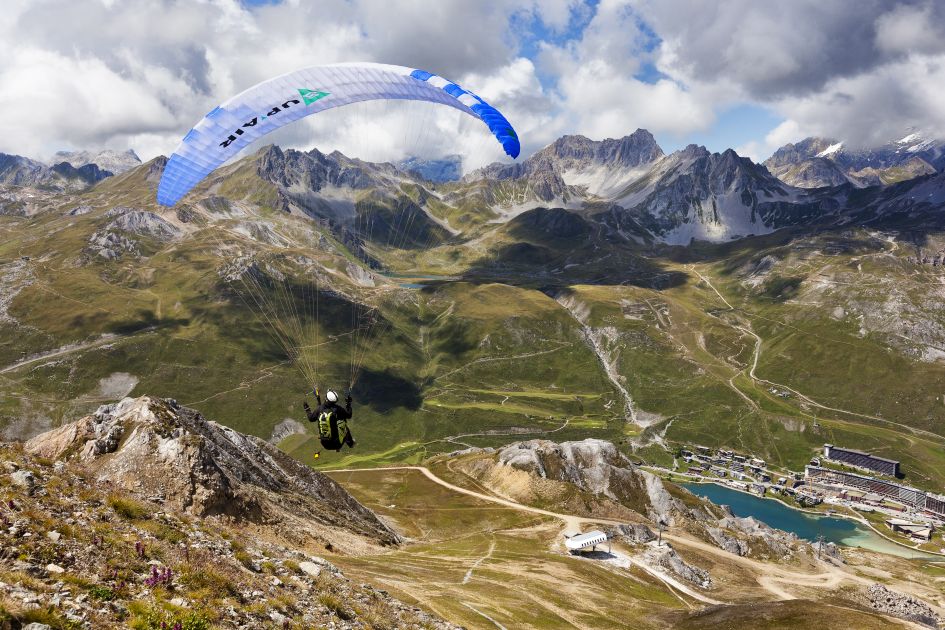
x=272 y=104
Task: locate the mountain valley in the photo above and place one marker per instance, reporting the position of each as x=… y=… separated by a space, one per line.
x=600 y=300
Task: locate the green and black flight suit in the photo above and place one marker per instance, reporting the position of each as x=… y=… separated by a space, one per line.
x=332 y=422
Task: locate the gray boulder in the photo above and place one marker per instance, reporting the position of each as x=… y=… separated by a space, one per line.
x=23 y=479
x=666 y=558
x=635 y=532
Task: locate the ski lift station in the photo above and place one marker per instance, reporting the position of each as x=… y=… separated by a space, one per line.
x=585 y=542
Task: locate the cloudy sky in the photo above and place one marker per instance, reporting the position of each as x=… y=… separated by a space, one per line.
x=741 y=73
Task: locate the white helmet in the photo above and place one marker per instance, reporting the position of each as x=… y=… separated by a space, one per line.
x=331 y=396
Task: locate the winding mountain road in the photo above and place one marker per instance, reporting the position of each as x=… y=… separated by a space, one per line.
x=67 y=349
x=756 y=355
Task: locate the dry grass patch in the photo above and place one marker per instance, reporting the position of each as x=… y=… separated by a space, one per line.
x=129 y=508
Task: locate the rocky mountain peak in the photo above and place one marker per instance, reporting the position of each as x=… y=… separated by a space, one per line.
x=695 y=194
x=161 y=450
x=716 y=172
x=807 y=148
x=693 y=152
x=574 y=162
x=810 y=163
x=575 y=151
x=17 y=170
x=731 y=160
x=728 y=166
x=313 y=170
x=115 y=162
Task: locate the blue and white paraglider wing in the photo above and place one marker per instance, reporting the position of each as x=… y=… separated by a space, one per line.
x=272 y=104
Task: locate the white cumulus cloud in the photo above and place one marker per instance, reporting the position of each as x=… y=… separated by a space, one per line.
x=140 y=73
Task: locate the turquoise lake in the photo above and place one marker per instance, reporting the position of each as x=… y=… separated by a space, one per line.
x=841 y=531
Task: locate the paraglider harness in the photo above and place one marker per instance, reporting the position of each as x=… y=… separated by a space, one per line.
x=331 y=419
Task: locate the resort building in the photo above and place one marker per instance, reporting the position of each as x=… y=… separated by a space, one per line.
x=920 y=532
x=877 y=490
x=862 y=460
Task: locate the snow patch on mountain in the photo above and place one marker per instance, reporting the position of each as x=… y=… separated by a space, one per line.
x=833 y=148
x=602 y=180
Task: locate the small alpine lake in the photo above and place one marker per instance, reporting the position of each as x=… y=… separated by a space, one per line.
x=842 y=531
x=417 y=280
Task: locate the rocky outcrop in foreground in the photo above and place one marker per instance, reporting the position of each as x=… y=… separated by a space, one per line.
x=173 y=456
x=78 y=552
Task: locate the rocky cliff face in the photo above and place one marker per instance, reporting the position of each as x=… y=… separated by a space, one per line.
x=575 y=166
x=695 y=194
x=171 y=454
